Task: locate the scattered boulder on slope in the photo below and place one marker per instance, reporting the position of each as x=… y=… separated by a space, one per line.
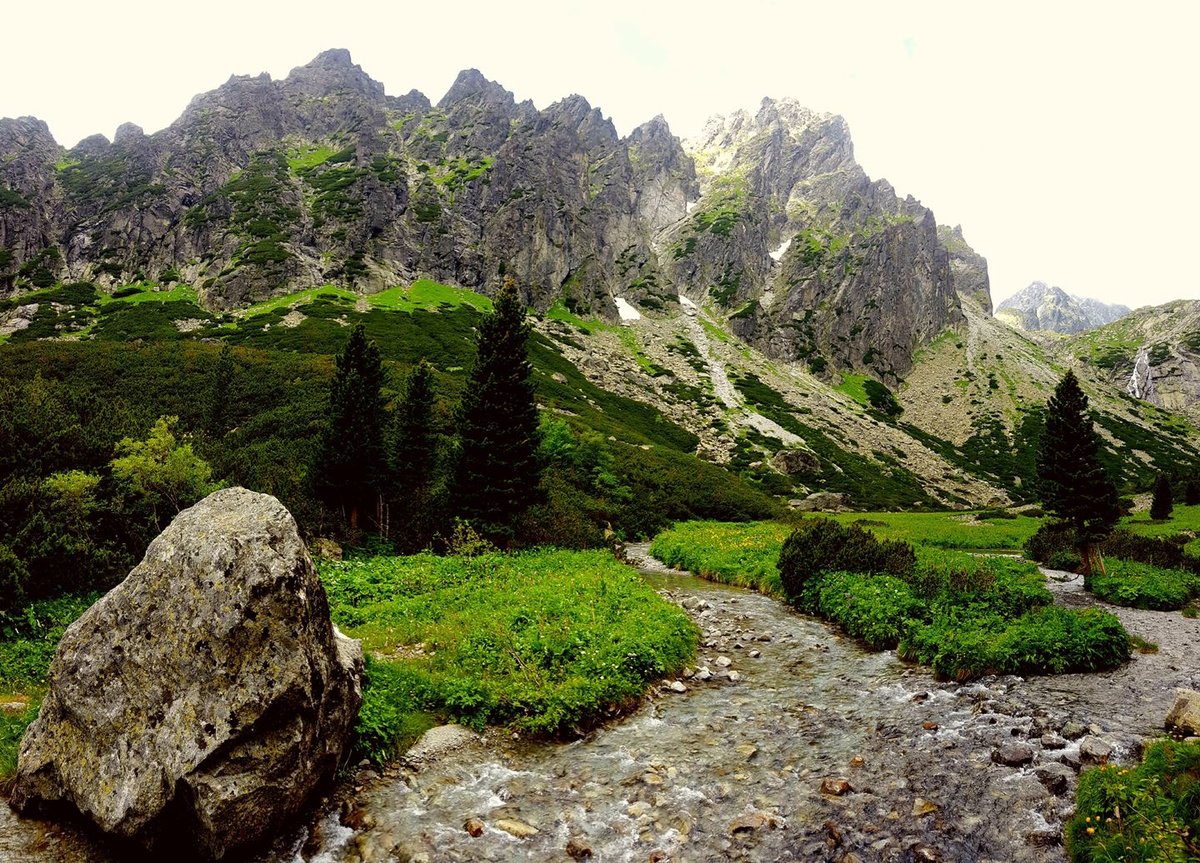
x=204 y=699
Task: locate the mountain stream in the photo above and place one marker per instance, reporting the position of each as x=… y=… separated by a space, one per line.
x=787 y=742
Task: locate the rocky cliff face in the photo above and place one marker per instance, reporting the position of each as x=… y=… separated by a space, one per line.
x=263 y=187
x=814 y=259
x=1040 y=307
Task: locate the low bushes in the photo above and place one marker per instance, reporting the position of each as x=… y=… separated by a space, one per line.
x=963 y=644
x=874 y=608
x=964 y=616
x=1148 y=813
x=1140 y=585
x=821 y=545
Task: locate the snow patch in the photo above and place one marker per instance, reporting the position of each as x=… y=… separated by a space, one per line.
x=777 y=254
x=688 y=305
x=627 y=311
x=691 y=205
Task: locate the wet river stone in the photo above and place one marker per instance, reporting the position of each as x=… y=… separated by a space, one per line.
x=205 y=698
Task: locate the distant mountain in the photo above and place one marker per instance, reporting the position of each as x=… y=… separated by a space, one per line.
x=1047 y=309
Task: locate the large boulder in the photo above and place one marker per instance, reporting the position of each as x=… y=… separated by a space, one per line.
x=204 y=699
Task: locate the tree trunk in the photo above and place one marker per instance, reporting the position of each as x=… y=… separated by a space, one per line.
x=354 y=519
x=1092 y=562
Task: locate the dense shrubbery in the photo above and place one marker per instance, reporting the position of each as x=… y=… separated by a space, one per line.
x=961 y=614
x=874 y=608
x=822 y=545
x=964 y=643
x=1140 y=585
x=1140 y=571
x=1149 y=813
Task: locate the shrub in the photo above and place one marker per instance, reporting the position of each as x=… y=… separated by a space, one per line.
x=822 y=545
x=1049 y=539
x=1155 y=551
x=1140 y=585
x=1149 y=813
x=961 y=643
x=998 y=585
x=875 y=608
x=1163 y=501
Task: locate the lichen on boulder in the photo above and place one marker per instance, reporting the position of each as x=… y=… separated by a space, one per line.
x=207 y=697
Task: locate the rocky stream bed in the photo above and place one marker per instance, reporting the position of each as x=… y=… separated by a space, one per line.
x=785 y=742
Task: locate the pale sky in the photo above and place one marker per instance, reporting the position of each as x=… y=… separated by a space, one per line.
x=1062 y=136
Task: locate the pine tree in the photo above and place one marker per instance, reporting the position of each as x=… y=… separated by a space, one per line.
x=498 y=473
x=1191 y=492
x=216 y=416
x=1163 y=501
x=1073 y=483
x=349 y=470
x=414 y=460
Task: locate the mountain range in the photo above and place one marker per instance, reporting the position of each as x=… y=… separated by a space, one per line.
x=754 y=285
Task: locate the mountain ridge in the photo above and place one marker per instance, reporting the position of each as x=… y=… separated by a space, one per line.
x=262 y=187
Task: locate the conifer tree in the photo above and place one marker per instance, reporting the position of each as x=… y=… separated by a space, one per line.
x=1163 y=501
x=349 y=470
x=217 y=414
x=1191 y=492
x=498 y=473
x=1073 y=483
x=414 y=460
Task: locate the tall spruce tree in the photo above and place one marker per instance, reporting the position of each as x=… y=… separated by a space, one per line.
x=1073 y=483
x=1163 y=501
x=1191 y=492
x=414 y=461
x=498 y=473
x=349 y=470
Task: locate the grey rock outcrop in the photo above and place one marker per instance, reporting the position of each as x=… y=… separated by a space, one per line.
x=814 y=260
x=968 y=268
x=204 y=699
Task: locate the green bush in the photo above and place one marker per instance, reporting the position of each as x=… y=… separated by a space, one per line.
x=994 y=585
x=1155 y=551
x=962 y=643
x=1140 y=585
x=878 y=609
x=1149 y=813
x=823 y=545
x=1050 y=539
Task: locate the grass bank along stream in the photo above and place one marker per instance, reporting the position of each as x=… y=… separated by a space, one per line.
x=547 y=641
x=961 y=614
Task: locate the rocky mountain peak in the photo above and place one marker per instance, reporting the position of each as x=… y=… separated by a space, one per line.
x=575 y=112
x=127 y=133
x=1043 y=307
x=472 y=85
x=332 y=72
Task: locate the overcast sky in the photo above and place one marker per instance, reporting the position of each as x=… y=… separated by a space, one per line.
x=1062 y=136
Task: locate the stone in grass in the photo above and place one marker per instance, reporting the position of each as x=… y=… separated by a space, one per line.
x=202 y=702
